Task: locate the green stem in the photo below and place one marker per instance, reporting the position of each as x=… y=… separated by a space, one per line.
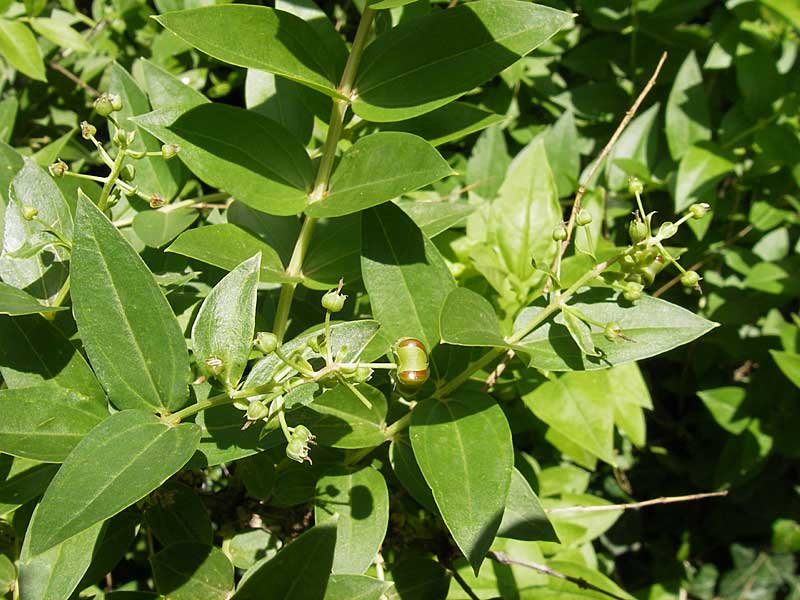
x=335 y=127
x=218 y=400
x=116 y=168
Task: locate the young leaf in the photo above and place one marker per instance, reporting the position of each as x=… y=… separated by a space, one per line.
x=654 y=325
x=247 y=155
x=295 y=50
x=687 y=118
x=429 y=61
x=464 y=450
x=562 y=143
x=405 y=276
x=16 y=302
x=361 y=500
x=130 y=333
x=119 y=462
x=377 y=168
x=192 y=571
x=298 y=572
x=46 y=422
x=524 y=518
x=18 y=46
x=225 y=324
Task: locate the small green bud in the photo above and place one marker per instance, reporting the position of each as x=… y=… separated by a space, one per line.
x=635 y=185
x=103 y=105
x=699 y=210
x=559 y=233
x=128 y=173
x=637 y=230
x=29 y=212
x=667 y=230
x=584 y=217
x=650 y=271
x=303 y=434
x=169 y=151
x=632 y=291
x=120 y=138
x=116 y=101
x=130 y=137
x=333 y=301
x=266 y=342
x=112 y=200
x=297 y=451
x=362 y=375
x=690 y=279
x=87 y=130
x=628 y=263
x=613 y=332
x=315 y=344
x=257 y=410
x=157 y=200
x=58 y=168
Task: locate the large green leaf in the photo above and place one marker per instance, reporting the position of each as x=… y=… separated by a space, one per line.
x=18 y=46
x=119 y=462
x=464 y=450
x=299 y=572
x=419 y=578
x=225 y=324
x=22 y=482
x=361 y=500
x=164 y=90
x=235 y=34
x=333 y=253
x=192 y=571
x=130 y=333
x=43 y=273
x=701 y=168
x=448 y=123
x=377 y=168
x=405 y=466
x=175 y=513
x=16 y=302
x=405 y=276
x=436 y=216
x=654 y=325
x=687 y=118
x=468 y=319
x=524 y=518
x=427 y=62
x=355 y=587
x=46 y=422
x=281 y=100
x=246 y=154
x=225 y=246
x=159 y=227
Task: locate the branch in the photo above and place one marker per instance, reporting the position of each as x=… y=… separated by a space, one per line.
x=74 y=79
x=635 y=505
x=505 y=559
x=576 y=205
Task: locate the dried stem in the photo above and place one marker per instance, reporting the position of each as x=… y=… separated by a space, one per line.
x=635 y=505
x=74 y=78
x=505 y=559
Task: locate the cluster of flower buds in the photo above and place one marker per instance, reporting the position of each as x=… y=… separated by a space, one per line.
x=298 y=447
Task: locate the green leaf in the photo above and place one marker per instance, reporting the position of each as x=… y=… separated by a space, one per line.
x=789 y=364
x=225 y=324
x=50 y=153
x=562 y=143
x=407 y=470
x=435 y=217
x=174 y=513
x=630 y=394
x=488 y=163
x=654 y=325
x=299 y=572
x=425 y=63
x=581 y=572
x=157 y=227
x=468 y=319
x=18 y=46
x=16 y=302
x=60 y=34
x=701 y=168
x=687 y=118
x=11 y=162
x=728 y=408
x=42 y=274
x=46 y=422
x=377 y=168
x=355 y=587
x=24 y=481
x=222 y=439
x=225 y=246
x=785 y=8
x=54 y=574
x=464 y=450
x=281 y=100
x=361 y=501
x=639 y=142
x=249 y=156
x=333 y=253
x=448 y=123
x=119 y=462
x=258 y=475
x=405 y=276
x=249 y=546
x=419 y=578
x=524 y=518
x=576 y=528
x=8 y=115
x=130 y=333
x=153 y=173
x=295 y=50
x=580 y=332
x=8 y=575
x=164 y=90
x=192 y=571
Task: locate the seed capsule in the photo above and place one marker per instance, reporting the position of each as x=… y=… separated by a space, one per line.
x=412 y=363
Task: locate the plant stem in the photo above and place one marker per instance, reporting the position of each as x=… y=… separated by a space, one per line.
x=116 y=168
x=635 y=505
x=335 y=128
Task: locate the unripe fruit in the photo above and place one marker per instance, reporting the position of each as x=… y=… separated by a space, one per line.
x=116 y=102
x=584 y=217
x=169 y=151
x=87 y=130
x=635 y=185
x=257 y=410
x=632 y=291
x=128 y=173
x=690 y=279
x=58 y=168
x=412 y=363
x=266 y=342
x=637 y=230
x=303 y=434
x=29 y=212
x=613 y=332
x=297 y=451
x=700 y=210
x=559 y=233
x=103 y=105
x=333 y=301
x=157 y=201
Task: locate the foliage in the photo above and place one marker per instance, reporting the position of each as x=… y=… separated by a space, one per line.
x=348 y=300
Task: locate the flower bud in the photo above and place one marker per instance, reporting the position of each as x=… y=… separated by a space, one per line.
x=112 y=200
x=103 y=105
x=169 y=151
x=632 y=291
x=128 y=173
x=362 y=375
x=29 y=212
x=297 y=451
x=584 y=217
x=699 y=210
x=157 y=201
x=635 y=185
x=637 y=230
x=58 y=168
x=120 y=138
x=559 y=233
x=130 y=137
x=690 y=279
x=667 y=230
x=303 y=434
x=257 y=410
x=87 y=130
x=116 y=101
x=333 y=301
x=266 y=342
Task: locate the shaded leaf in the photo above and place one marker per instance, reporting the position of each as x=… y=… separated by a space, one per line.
x=524 y=518
x=17 y=302
x=192 y=571
x=687 y=118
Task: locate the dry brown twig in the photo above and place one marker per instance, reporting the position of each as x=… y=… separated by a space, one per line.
x=576 y=203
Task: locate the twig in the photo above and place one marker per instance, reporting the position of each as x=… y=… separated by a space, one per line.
x=576 y=205
x=74 y=78
x=505 y=559
x=464 y=585
x=635 y=505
